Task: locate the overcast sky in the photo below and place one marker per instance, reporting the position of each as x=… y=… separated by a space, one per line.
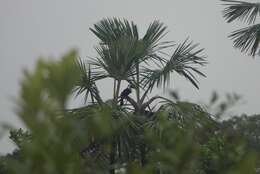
x=49 y=28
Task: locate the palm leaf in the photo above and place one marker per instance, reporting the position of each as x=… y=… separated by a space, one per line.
x=184 y=61
x=110 y=30
x=244 y=11
x=247 y=39
x=152 y=40
x=120 y=49
x=87 y=82
x=118 y=59
x=155 y=32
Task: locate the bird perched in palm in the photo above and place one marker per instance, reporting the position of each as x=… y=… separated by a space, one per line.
x=125 y=94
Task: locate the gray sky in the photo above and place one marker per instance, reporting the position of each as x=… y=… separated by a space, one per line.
x=49 y=28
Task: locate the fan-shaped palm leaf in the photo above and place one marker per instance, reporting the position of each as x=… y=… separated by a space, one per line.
x=87 y=82
x=117 y=60
x=155 y=32
x=183 y=61
x=152 y=45
x=110 y=30
x=244 y=11
x=247 y=39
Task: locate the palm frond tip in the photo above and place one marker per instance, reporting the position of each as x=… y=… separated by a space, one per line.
x=244 y=11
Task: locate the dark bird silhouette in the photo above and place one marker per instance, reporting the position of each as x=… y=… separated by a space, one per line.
x=91 y=149
x=124 y=94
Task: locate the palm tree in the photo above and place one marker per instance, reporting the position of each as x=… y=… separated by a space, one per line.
x=246 y=39
x=141 y=61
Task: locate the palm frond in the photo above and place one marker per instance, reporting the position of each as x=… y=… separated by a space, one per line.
x=184 y=61
x=118 y=59
x=155 y=32
x=110 y=30
x=121 y=48
x=187 y=114
x=244 y=11
x=247 y=39
x=152 y=40
x=87 y=82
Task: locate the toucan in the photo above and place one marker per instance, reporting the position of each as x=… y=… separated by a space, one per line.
x=124 y=94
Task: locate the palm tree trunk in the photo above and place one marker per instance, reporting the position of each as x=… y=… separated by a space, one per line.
x=143 y=154
x=117 y=91
x=114 y=89
x=138 y=81
x=119 y=148
x=112 y=157
x=92 y=99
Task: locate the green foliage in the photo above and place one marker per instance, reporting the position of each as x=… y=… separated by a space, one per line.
x=87 y=83
x=44 y=94
x=19 y=137
x=2 y=165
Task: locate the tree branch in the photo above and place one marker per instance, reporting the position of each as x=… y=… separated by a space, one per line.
x=144 y=95
x=145 y=105
x=132 y=102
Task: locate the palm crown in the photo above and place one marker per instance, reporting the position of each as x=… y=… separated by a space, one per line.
x=141 y=61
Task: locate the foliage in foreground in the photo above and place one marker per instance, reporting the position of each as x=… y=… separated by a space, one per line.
x=179 y=138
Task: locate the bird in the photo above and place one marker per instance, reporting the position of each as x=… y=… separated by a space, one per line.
x=124 y=94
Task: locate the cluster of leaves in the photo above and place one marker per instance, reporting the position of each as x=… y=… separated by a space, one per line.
x=41 y=105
